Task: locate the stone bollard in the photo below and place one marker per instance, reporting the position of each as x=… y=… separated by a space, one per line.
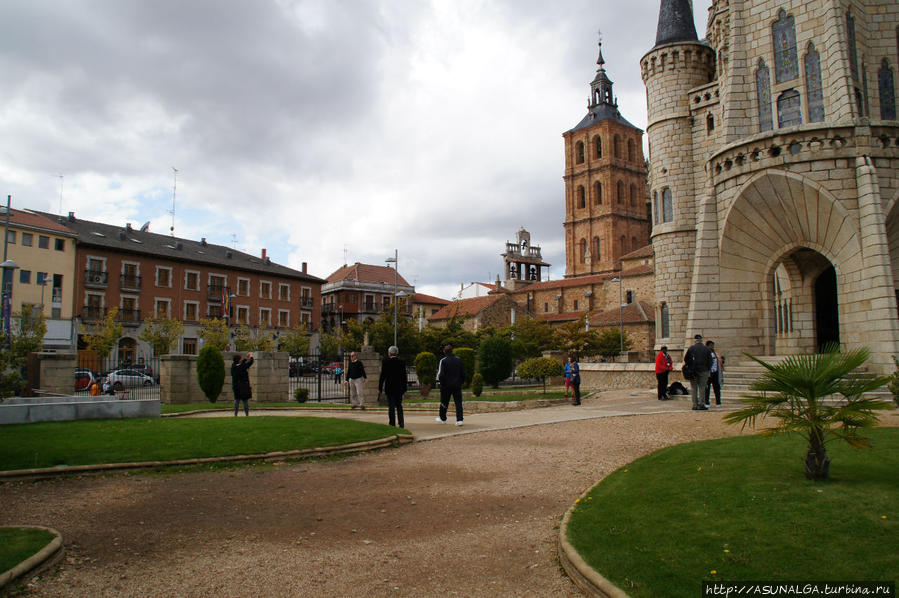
x=372 y=363
x=57 y=371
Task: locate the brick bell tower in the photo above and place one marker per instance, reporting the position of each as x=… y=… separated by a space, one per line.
x=606 y=204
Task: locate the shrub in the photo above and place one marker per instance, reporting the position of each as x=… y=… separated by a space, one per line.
x=540 y=368
x=301 y=395
x=894 y=382
x=495 y=360
x=211 y=372
x=477 y=385
x=426 y=368
x=467 y=356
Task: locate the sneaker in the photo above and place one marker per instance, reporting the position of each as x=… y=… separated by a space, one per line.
x=459 y=423
x=439 y=421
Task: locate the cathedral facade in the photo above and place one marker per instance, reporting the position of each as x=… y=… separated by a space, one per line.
x=774 y=175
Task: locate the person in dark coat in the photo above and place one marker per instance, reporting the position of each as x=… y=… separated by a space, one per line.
x=451 y=375
x=699 y=360
x=240 y=382
x=393 y=383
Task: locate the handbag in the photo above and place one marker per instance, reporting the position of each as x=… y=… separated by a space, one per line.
x=687 y=371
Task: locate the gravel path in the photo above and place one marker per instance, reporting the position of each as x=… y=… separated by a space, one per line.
x=470 y=515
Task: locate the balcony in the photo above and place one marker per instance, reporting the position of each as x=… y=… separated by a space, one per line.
x=96 y=279
x=306 y=302
x=129 y=317
x=329 y=308
x=214 y=292
x=129 y=282
x=93 y=313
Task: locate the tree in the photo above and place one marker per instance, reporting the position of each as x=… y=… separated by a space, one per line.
x=161 y=334
x=103 y=336
x=573 y=337
x=495 y=360
x=530 y=338
x=254 y=339
x=295 y=342
x=380 y=333
x=540 y=368
x=215 y=333
x=211 y=372
x=426 y=370
x=819 y=397
x=610 y=342
x=26 y=336
x=329 y=345
x=467 y=355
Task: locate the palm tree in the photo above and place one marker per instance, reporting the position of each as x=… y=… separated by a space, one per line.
x=818 y=396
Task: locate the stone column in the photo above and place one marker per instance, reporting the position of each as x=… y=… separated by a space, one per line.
x=372 y=363
x=58 y=371
x=178 y=381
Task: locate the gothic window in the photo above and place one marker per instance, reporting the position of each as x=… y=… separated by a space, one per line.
x=655 y=206
x=853 y=53
x=789 y=112
x=709 y=123
x=667 y=205
x=633 y=195
x=887 y=91
x=597 y=147
x=616 y=146
x=620 y=190
x=579 y=152
x=597 y=192
x=786 y=63
x=582 y=250
x=581 y=197
x=597 y=250
x=763 y=92
x=666 y=321
x=630 y=150
x=814 y=90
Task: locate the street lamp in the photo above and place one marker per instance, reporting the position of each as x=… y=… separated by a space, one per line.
x=7 y=295
x=395 y=261
x=620 y=319
x=341 y=317
x=43 y=284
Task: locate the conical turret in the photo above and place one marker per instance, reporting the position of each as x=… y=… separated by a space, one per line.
x=675 y=22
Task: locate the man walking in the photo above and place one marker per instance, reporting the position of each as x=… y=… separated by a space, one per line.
x=356 y=379
x=393 y=383
x=698 y=359
x=450 y=374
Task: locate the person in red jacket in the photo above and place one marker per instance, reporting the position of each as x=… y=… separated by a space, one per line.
x=663 y=366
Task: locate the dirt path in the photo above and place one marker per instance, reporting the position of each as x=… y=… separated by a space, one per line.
x=471 y=515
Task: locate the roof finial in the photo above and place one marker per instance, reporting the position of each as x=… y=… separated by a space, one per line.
x=600 y=60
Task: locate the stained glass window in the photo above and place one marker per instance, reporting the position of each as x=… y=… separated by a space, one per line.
x=667 y=205
x=887 y=91
x=786 y=63
x=763 y=90
x=789 y=112
x=813 y=86
x=853 y=55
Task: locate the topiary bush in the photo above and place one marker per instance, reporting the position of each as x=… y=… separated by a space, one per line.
x=495 y=360
x=211 y=372
x=477 y=385
x=426 y=369
x=301 y=394
x=467 y=356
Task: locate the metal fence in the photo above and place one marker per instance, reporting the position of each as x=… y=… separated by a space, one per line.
x=319 y=375
x=137 y=378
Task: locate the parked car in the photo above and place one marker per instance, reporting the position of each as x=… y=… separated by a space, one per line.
x=143 y=368
x=329 y=368
x=84 y=377
x=121 y=379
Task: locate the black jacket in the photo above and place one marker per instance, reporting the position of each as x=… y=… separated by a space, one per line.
x=393 y=377
x=240 y=379
x=699 y=358
x=451 y=372
x=355 y=370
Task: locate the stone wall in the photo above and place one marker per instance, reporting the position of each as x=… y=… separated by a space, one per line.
x=268 y=379
x=58 y=371
x=607 y=376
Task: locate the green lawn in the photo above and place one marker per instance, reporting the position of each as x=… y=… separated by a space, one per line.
x=740 y=509
x=89 y=442
x=17 y=544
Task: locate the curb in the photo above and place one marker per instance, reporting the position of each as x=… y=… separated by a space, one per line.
x=44 y=557
x=583 y=575
x=19 y=474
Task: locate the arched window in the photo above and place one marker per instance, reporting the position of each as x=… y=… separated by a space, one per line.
x=597 y=192
x=814 y=90
x=783 y=34
x=579 y=152
x=633 y=195
x=583 y=250
x=763 y=94
x=616 y=146
x=581 y=197
x=666 y=323
x=789 y=111
x=634 y=246
x=887 y=91
x=620 y=191
x=630 y=150
x=597 y=250
x=709 y=123
x=597 y=147
x=622 y=245
x=667 y=205
x=655 y=206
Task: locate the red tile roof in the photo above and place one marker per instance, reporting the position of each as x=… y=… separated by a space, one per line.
x=582 y=280
x=570 y=316
x=633 y=313
x=466 y=307
x=421 y=298
x=366 y=273
x=33 y=220
x=645 y=251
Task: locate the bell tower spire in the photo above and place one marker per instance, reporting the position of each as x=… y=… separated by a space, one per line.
x=601 y=86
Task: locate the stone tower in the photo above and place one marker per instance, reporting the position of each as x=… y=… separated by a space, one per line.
x=775 y=176
x=605 y=185
x=522 y=262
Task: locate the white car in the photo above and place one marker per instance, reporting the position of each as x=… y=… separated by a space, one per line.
x=121 y=379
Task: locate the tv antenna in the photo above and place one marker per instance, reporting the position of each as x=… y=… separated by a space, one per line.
x=174 y=188
x=344 y=254
x=61 y=178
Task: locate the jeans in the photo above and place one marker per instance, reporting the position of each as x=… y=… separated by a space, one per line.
x=714 y=382
x=445 y=394
x=246 y=406
x=395 y=410
x=698 y=387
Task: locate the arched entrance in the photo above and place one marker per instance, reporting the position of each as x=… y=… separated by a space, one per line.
x=127 y=350
x=827 y=316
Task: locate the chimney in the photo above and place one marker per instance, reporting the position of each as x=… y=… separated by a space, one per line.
x=71 y=216
x=304 y=267
x=263 y=254
x=203 y=242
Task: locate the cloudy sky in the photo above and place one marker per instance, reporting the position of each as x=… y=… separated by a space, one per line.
x=323 y=130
